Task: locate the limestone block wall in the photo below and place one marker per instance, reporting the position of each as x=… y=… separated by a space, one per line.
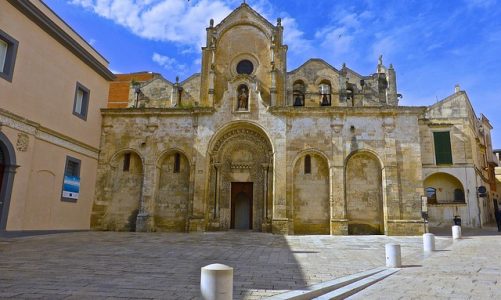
x=190 y=95
x=364 y=194
x=358 y=169
x=153 y=138
x=311 y=199
x=171 y=205
x=461 y=142
x=312 y=73
x=124 y=193
x=154 y=93
x=237 y=41
x=391 y=140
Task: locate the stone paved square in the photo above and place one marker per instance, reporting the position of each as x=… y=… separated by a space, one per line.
x=109 y=265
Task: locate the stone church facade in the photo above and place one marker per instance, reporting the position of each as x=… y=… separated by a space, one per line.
x=247 y=144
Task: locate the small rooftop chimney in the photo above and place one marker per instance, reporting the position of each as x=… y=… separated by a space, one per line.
x=457 y=88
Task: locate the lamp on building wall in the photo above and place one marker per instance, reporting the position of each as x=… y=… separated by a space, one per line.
x=137 y=91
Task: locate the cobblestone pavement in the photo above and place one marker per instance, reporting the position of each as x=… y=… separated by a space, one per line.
x=469 y=269
x=108 y=265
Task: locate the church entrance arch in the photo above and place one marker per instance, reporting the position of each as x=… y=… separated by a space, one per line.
x=7 y=171
x=240 y=178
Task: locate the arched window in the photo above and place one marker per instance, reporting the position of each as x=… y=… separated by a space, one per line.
x=307 y=164
x=325 y=93
x=431 y=194
x=350 y=97
x=298 y=91
x=458 y=195
x=177 y=163
x=126 y=165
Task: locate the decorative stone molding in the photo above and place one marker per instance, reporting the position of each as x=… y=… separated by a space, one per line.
x=238 y=132
x=29 y=127
x=23 y=141
x=337 y=127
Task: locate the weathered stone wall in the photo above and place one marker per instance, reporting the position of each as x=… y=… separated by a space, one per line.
x=469 y=141
x=123 y=194
x=311 y=205
x=190 y=95
x=311 y=74
x=233 y=46
x=171 y=205
x=364 y=195
x=367 y=154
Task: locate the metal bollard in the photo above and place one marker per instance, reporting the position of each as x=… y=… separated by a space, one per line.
x=393 y=256
x=216 y=282
x=428 y=242
x=456 y=232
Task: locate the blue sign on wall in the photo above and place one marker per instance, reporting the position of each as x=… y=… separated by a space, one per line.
x=71 y=187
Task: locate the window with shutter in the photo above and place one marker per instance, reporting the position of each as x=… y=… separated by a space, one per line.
x=443 y=152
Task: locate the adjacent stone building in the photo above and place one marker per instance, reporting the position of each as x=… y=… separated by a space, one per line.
x=247 y=144
x=52 y=87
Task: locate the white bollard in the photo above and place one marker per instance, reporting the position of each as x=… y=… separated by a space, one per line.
x=456 y=232
x=393 y=256
x=428 y=242
x=216 y=282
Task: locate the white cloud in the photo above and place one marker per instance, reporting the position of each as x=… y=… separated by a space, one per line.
x=169 y=63
x=177 y=21
x=294 y=37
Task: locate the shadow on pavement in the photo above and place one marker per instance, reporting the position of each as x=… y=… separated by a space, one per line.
x=486 y=230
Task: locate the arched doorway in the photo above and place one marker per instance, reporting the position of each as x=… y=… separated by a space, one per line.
x=240 y=178
x=7 y=171
x=364 y=194
x=241 y=205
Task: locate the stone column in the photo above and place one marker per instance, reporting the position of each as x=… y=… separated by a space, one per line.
x=273 y=88
x=197 y=221
x=212 y=76
x=280 y=223
x=144 y=221
x=217 y=173
x=392 y=208
x=339 y=222
x=265 y=223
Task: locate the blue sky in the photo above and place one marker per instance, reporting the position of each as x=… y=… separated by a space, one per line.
x=433 y=45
